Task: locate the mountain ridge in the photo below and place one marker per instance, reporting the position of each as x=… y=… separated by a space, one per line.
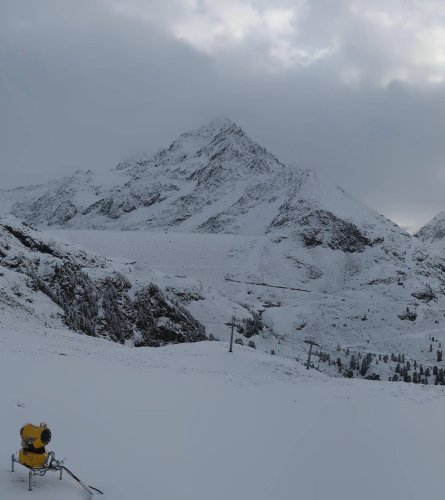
x=434 y=230
x=212 y=179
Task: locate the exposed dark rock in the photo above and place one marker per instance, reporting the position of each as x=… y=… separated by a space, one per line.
x=63 y=213
x=28 y=242
x=426 y=295
x=162 y=322
x=408 y=315
x=317 y=227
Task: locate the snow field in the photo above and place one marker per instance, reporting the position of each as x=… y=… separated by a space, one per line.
x=196 y=423
x=332 y=312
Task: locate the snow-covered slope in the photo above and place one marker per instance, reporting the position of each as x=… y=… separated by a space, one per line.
x=234 y=274
x=196 y=423
x=434 y=230
x=57 y=202
x=45 y=282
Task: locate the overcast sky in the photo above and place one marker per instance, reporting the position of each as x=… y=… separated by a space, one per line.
x=352 y=88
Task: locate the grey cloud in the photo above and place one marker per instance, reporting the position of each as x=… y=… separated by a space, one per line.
x=85 y=83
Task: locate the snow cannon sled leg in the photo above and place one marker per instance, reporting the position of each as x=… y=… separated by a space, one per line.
x=51 y=464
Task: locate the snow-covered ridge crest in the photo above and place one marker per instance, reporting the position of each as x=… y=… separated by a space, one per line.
x=434 y=230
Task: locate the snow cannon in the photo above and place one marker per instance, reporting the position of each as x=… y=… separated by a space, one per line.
x=34 y=457
x=34 y=440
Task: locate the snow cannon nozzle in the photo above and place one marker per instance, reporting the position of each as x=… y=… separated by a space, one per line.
x=39 y=436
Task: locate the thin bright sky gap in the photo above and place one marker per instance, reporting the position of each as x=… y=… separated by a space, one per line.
x=352 y=88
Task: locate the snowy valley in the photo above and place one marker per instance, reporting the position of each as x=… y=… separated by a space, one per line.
x=117 y=295
x=225 y=229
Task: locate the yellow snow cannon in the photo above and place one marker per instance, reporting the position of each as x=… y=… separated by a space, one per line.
x=34 y=439
x=34 y=456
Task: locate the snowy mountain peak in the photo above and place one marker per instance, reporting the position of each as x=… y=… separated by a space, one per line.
x=434 y=230
x=218 y=125
x=219 y=144
x=214 y=179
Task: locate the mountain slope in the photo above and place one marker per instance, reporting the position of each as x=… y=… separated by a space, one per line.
x=48 y=282
x=358 y=300
x=434 y=230
x=214 y=179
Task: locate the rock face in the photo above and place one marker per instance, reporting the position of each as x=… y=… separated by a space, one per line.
x=320 y=227
x=54 y=204
x=93 y=295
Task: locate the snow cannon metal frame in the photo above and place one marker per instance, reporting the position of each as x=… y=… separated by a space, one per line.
x=52 y=464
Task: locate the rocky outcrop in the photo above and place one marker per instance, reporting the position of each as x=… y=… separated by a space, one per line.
x=94 y=297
